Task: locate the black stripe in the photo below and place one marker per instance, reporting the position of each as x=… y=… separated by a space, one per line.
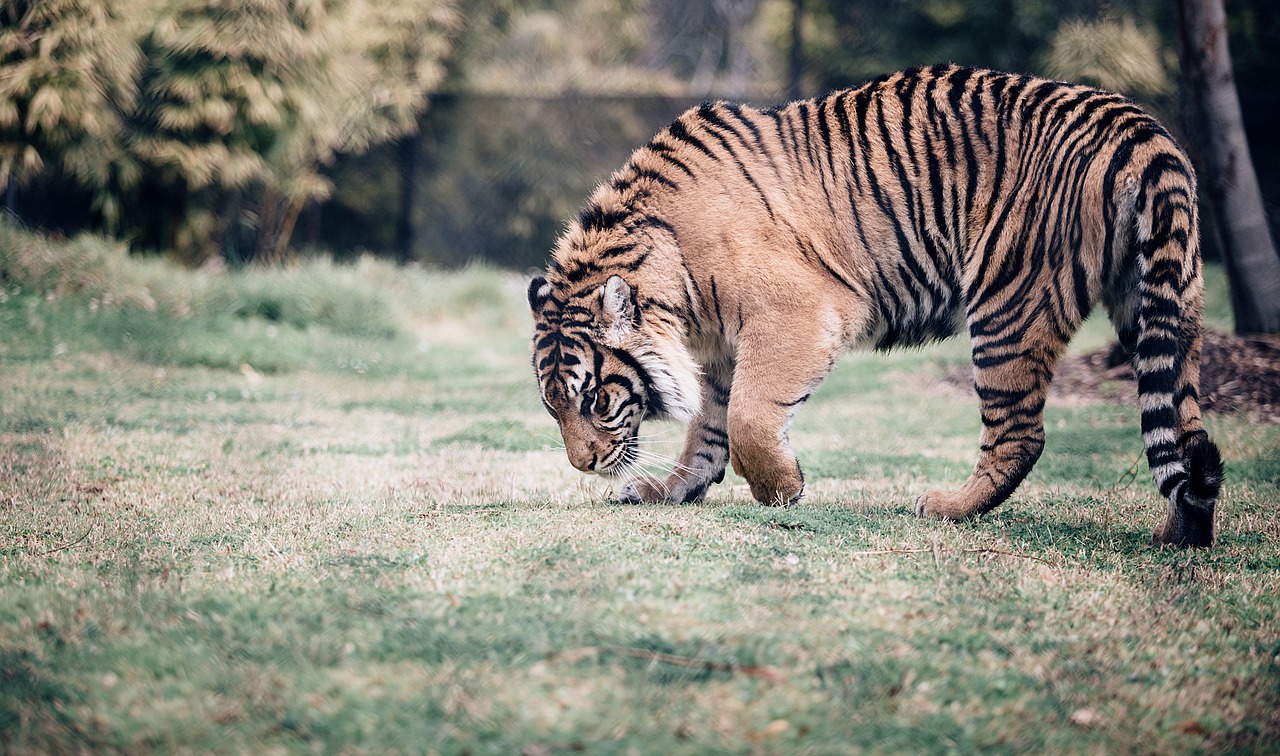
x=824 y=131
x=656 y=406
x=715 y=300
x=617 y=251
x=652 y=175
x=583 y=269
x=803 y=109
x=594 y=217
x=663 y=151
x=678 y=131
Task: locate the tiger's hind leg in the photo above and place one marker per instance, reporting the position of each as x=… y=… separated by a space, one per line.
x=706 y=447
x=1012 y=381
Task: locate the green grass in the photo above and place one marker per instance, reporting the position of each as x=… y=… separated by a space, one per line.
x=321 y=528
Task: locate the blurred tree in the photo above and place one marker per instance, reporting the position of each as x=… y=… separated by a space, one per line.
x=1108 y=52
x=1254 y=29
x=850 y=41
x=240 y=106
x=795 y=51
x=704 y=43
x=67 y=72
x=1226 y=167
x=405 y=46
x=217 y=135
x=548 y=48
x=500 y=174
x=855 y=40
x=547 y=98
x=204 y=126
x=243 y=103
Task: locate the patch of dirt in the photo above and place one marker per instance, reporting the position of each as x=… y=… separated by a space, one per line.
x=1237 y=373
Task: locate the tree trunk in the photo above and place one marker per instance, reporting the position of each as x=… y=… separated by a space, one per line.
x=410 y=150
x=1226 y=169
x=285 y=234
x=795 y=55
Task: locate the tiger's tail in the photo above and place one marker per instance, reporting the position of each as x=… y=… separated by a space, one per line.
x=1185 y=463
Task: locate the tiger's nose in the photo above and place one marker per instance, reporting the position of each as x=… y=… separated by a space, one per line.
x=584 y=459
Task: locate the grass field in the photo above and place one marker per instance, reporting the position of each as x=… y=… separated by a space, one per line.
x=318 y=509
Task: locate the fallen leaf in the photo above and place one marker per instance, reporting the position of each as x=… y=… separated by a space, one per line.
x=1087 y=718
x=775 y=728
x=772 y=730
x=1191 y=727
x=251 y=376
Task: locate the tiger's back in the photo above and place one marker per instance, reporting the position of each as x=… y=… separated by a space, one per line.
x=756 y=245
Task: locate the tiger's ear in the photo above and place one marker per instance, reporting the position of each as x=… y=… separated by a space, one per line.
x=539 y=293
x=618 y=306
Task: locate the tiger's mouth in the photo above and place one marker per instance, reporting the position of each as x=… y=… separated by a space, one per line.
x=620 y=462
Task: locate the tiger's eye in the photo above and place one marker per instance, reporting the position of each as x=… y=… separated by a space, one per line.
x=588 y=400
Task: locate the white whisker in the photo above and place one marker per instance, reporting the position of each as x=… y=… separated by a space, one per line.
x=660 y=434
x=671 y=468
x=663 y=460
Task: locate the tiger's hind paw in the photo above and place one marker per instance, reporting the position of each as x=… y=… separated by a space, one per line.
x=944 y=505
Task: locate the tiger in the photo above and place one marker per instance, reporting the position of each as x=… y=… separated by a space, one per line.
x=718 y=276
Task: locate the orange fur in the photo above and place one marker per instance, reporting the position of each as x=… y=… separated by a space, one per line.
x=722 y=271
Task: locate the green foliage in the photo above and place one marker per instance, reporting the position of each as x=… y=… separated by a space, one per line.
x=1114 y=54
x=86 y=265
x=204 y=127
x=317 y=293
x=243 y=104
x=66 y=72
x=344 y=317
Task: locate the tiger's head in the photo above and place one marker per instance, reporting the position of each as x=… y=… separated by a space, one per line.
x=602 y=369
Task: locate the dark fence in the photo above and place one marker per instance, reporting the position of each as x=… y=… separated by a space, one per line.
x=488 y=177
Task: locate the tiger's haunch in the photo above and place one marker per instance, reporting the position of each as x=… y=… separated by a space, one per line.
x=718 y=276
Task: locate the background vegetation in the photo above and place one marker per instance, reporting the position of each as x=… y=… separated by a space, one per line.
x=320 y=508
x=444 y=131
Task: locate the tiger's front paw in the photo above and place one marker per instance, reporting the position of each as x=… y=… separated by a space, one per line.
x=676 y=490
x=683 y=491
x=642 y=490
x=781 y=493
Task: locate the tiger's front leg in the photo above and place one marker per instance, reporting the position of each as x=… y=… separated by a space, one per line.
x=706 y=448
x=775 y=374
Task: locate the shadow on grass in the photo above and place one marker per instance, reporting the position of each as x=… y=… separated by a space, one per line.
x=1037 y=532
x=30 y=695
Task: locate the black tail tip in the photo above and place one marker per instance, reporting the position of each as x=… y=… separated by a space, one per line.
x=1204 y=466
x=1190 y=520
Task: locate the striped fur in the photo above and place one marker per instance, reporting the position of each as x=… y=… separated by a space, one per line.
x=717 y=277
